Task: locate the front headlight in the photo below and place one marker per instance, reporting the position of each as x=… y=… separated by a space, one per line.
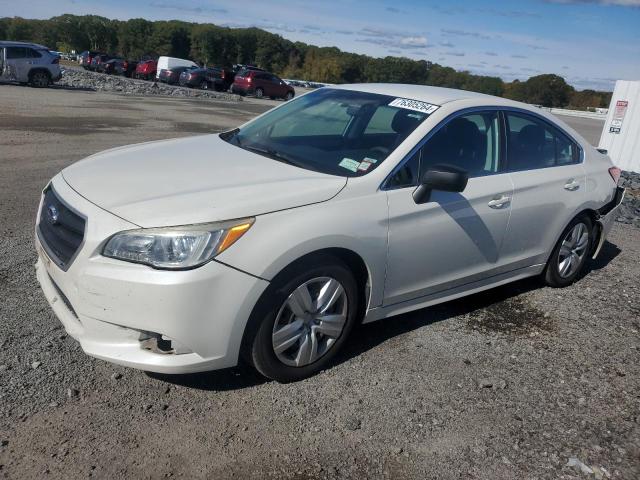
x=188 y=246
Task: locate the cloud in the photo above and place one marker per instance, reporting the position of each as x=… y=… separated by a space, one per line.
x=392 y=39
x=519 y=56
x=618 y=3
x=394 y=10
x=454 y=54
x=186 y=8
x=465 y=33
x=449 y=10
x=491 y=54
x=536 y=47
x=414 y=41
x=446 y=44
x=510 y=13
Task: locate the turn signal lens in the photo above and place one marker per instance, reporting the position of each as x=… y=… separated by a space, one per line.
x=232 y=235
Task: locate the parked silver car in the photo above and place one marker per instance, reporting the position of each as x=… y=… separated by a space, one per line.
x=28 y=63
x=348 y=204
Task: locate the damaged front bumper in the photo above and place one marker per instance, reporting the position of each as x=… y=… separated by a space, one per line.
x=606 y=217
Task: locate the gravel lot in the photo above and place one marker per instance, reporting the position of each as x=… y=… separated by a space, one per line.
x=521 y=382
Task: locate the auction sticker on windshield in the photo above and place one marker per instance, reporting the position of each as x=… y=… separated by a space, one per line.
x=415 y=105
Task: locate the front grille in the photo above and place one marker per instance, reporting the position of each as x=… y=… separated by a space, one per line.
x=60 y=230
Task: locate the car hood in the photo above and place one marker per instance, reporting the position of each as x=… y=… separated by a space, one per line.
x=194 y=180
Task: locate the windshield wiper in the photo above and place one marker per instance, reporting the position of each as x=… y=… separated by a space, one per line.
x=275 y=155
x=227 y=136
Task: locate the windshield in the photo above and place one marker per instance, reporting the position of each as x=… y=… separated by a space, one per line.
x=339 y=132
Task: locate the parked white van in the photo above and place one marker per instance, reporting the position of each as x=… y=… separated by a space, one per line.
x=165 y=63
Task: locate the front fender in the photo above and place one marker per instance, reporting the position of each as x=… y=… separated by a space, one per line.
x=278 y=239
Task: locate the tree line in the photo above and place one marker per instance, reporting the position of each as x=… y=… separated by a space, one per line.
x=214 y=45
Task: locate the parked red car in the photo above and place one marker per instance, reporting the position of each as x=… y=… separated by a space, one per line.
x=261 y=84
x=146 y=70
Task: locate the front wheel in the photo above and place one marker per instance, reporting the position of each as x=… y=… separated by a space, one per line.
x=288 y=96
x=303 y=320
x=570 y=253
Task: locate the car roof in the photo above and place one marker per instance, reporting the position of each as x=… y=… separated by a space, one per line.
x=425 y=93
x=10 y=43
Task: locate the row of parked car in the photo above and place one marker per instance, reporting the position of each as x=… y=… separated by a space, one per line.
x=240 y=79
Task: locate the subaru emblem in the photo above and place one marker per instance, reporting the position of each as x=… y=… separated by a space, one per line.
x=53 y=214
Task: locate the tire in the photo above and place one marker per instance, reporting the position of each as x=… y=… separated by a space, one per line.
x=204 y=85
x=570 y=253
x=39 y=79
x=288 y=96
x=274 y=312
x=259 y=92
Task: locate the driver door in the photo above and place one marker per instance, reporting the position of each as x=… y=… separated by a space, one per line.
x=455 y=238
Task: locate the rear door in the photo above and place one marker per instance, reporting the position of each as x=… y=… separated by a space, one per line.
x=3 y=65
x=549 y=186
x=17 y=64
x=455 y=238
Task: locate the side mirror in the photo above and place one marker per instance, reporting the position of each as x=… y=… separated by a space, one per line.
x=446 y=178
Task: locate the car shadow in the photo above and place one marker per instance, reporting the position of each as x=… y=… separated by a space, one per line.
x=368 y=336
x=236 y=378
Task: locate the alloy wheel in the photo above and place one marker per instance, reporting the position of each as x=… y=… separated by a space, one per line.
x=310 y=321
x=573 y=249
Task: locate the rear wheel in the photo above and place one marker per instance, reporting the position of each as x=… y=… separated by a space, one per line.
x=40 y=79
x=570 y=253
x=259 y=92
x=303 y=319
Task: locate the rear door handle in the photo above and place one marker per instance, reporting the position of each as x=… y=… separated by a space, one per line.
x=499 y=201
x=571 y=185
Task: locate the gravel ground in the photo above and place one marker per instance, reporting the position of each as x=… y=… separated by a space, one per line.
x=77 y=78
x=630 y=209
x=521 y=382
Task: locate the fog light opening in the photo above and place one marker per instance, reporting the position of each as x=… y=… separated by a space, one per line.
x=161 y=344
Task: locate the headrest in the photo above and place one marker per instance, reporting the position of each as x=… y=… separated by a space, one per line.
x=531 y=135
x=405 y=121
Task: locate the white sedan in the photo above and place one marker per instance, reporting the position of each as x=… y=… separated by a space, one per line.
x=349 y=204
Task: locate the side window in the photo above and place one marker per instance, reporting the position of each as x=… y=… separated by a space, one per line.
x=15 y=53
x=567 y=152
x=470 y=142
x=532 y=143
x=31 y=53
x=407 y=175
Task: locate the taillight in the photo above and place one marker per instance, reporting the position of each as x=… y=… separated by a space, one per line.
x=615 y=173
x=249 y=79
x=222 y=76
x=125 y=65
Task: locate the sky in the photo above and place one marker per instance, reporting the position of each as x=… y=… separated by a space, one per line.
x=591 y=43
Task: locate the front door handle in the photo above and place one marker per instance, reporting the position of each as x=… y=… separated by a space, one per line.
x=499 y=201
x=571 y=185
